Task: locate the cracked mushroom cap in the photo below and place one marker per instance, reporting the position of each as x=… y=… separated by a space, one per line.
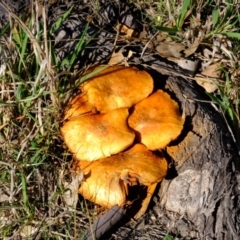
x=107 y=180
x=114 y=87
x=94 y=136
x=156 y=120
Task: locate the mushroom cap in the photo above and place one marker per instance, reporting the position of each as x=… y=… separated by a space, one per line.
x=117 y=87
x=78 y=106
x=107 y=180
x=156 y=120
x=90 y=137
x=102 y=186
x=114 y=87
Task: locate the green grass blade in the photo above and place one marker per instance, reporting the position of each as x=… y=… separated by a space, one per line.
x=224 y=20
x=168 y=237
x=2 y=103
x=215 y=15
x=16 y=37
x=38 y=158
x=23 y=52
x=185 y=7
x=23 y=46
x=53 y=55
x=79 y=47
x=232 y=34
x=20 y=92
x=216 y=100
x=227 y=83
x=64 y=62
x=57 y=24
x=4 y=29
x=166 y=29
x=24 y=193
x=224 y=102
x=91 y=74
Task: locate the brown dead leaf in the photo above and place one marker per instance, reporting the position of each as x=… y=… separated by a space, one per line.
x=170 y=49
x=125 y=30
x=190 y=65
x=27 y=231
x=3 y=197
x=161 y=36
x=209 y=85
x=208 y=78
x=192 y=48
x=212 y=71
x=143 y=34
x=116 y=58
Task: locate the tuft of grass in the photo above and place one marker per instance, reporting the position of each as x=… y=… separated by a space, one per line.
x=31 y=154
x=168 y=237
x=229 y=107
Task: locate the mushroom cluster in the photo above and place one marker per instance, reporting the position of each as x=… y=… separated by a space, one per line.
x=115 y=129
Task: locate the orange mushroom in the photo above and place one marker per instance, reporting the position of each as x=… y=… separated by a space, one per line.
x=156 y=120
x=107 y=180
x=90 y=137
x=98 y=129
x=79 y=106
x=113 y=87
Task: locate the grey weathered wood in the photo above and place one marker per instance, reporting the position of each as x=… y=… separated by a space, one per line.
x=104 y=223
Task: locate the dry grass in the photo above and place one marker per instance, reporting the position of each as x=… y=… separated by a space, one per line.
x=32 y=156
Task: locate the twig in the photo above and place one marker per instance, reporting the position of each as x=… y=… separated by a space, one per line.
x=12 y=180
x=146 y=45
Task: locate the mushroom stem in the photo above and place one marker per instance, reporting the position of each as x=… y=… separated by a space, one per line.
x=146 y=201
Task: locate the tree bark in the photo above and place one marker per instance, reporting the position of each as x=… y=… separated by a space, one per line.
x=204 y=196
